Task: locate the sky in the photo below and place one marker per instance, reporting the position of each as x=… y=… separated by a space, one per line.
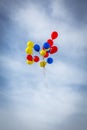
x=29 y=98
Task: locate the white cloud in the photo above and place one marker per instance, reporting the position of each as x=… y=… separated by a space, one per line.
x=57 y=73
x=66 y=74
x=39 y=101
x=39 y=108
x=38 y=25
x=33 y=20
x=59 y=11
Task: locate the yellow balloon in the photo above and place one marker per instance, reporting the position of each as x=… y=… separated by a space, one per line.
x=42 y=52
x=29 y=62
x=30 y=44
x=42 y=63
x=29 y=50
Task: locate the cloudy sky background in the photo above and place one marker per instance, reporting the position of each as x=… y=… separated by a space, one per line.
x=30 y=100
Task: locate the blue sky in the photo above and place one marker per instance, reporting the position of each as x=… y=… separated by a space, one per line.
x=28 y=99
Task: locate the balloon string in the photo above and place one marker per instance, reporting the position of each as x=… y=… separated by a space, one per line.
x=44 y=74
x=45 y=77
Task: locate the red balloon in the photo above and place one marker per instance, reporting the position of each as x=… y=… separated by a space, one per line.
x=53 y=49
x=50 y=41
x=36 y=59
x=46 y=55
x=54 y=35
x=29 y=57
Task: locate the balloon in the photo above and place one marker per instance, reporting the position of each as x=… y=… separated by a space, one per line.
x=53 y=49
x=29 y=57
x=49 y=60
x=46 y=55
x=50 y=42
x=42 y=52
x=36 y=59
x=29 y=50
x=29 y=62
x=42 y=63
x=54 y=35
x=30 y=44
x=47 y=49
x=46 y=45
x=37 y=47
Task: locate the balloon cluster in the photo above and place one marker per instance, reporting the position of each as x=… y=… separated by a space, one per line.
x=47 y=49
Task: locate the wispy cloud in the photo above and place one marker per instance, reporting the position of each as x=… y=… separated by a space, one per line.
x=32 y=98
x=40 y=108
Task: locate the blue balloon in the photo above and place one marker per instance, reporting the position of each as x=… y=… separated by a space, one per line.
x=36 y=47
x=49 y=60
x=46 y=45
